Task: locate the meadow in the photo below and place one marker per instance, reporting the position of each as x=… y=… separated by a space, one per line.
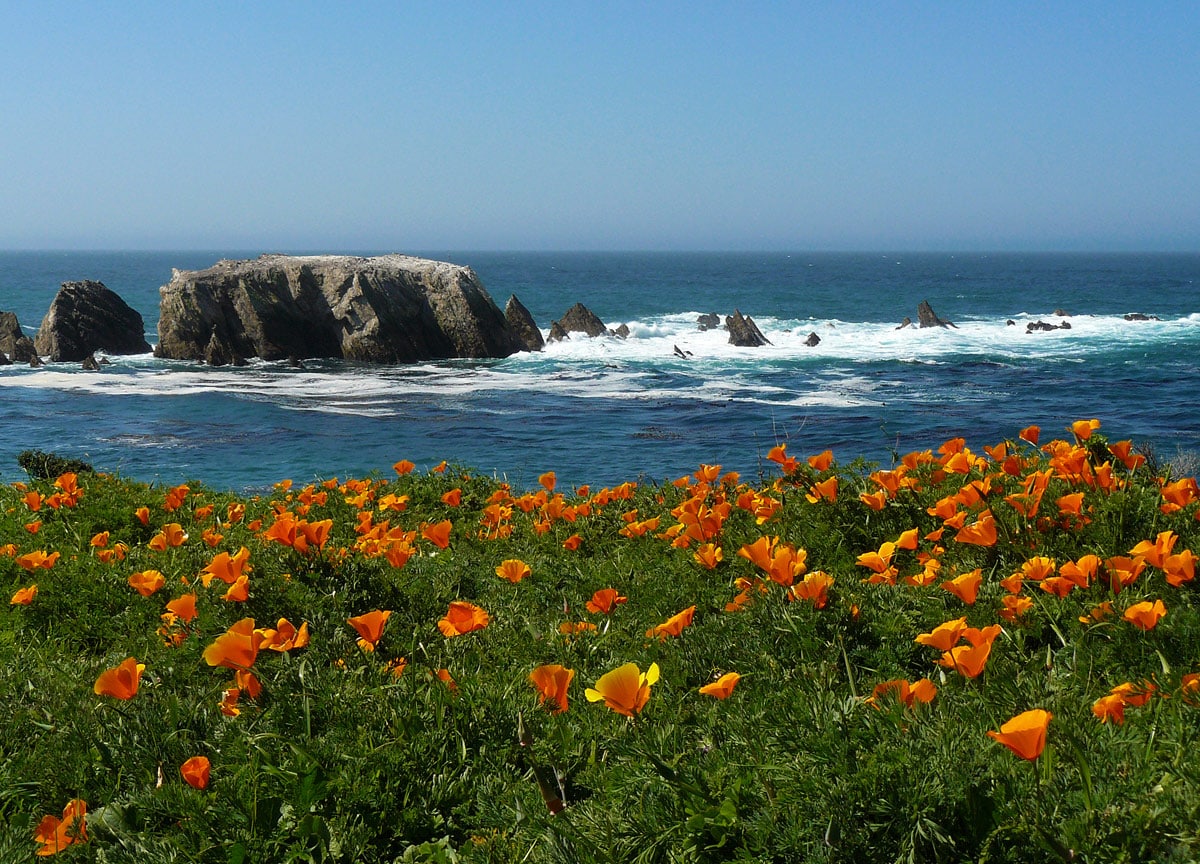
x=960 y=656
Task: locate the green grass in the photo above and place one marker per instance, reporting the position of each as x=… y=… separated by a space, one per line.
x=340 y=760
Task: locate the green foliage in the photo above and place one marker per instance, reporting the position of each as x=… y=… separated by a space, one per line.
x=46 y=466
x=342 y=759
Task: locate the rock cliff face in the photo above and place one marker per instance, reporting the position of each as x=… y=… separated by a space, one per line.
x=389 y=309
x=86 y=317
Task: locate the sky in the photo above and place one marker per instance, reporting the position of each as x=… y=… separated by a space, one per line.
x=402 y=126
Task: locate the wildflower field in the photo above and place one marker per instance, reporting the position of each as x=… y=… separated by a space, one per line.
x=964 y=656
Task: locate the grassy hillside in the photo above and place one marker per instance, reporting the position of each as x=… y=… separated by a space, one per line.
x=880 y=622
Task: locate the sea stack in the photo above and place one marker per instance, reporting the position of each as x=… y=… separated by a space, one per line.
x=386 y=309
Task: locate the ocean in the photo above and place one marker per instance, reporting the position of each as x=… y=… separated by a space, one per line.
x=606 y=410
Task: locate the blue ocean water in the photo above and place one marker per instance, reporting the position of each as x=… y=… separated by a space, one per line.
x=607 y=409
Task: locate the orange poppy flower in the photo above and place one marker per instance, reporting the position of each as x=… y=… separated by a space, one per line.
x=1081 y=571
x=981 y=532
x=1155 y=552
x=1025 y=734
x=1180 y=568
x=121 y=682
x=236 y=648
x=945 y=635
x=33 y=500
x=921 y=691
x=147 y=582
x=1083 y=429
x=439 y=534
x=229 y=702
x=33 y=527
x=195 y=772
x=1030 y=434
x=821 y=461
x=57 y=834
x=1145 y=615
x=1059 y=586
x=24 y=596
x=227 y=567
x=463 y=617
x=453 y=498
x=674 y=625
x=966 y=586
x=239 y=591
x=285 y=636
x=513 y=570
x=552 y=682
x=369 y=627
x=722 y=687
x=875 y=500
x=625 y=689
x=709 y=556
x=574 y=628
x=403 y=467
x=1110 y=707
x=826 y=490
x=968 y=660
x=778 y=455
x=572 y=543
x=37 y=560
x=814 y=588
x=184 y=606
x=1097 y=613
x=1015 y=606
x=605 y=600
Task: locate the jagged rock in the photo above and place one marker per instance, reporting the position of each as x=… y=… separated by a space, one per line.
x=24 y=350
x=86 y=317
x=217 y=352
x=104 y=361
x=622 y=332
x=389 y=309
x=90 y=363
x=743 y=332
x=1010 y=323
x=580 y=319
x=35 y=362
x=709 y=321
x=813 y=340
x=926 y=317
x=679 y=352
x=10 y=332
x=4 y=361
x=907 y=322
x=523 y=325
x=1140 y=316
x=295 y=362
x=557 y=333
x=1064 y=325
x=1062 y=313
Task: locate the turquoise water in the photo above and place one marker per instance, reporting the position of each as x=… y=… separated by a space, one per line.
x=607 y=410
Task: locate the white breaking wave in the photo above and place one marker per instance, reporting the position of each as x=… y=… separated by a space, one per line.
x=644 y=366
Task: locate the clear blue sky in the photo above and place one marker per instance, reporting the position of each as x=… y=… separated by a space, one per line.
x=564 y=125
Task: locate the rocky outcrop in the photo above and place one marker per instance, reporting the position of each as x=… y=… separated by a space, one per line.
x=580 y=319
x=1035 y=326
x=743 y=332
x=708 y=321
x=926 y=317
x=86 y=317
x=621 y=332
x=523 y=325
x=907 y=322
x=813 y=340
x=90 y=363
x=1140 y=316
x=10 y=332
x=388 y=309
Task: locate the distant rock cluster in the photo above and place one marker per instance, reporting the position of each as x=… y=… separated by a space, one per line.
x=386 y=309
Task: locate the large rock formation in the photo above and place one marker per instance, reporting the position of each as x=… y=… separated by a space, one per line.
x=86 y=317
x=523 y=325
x=389 y=309
x=743 y=331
